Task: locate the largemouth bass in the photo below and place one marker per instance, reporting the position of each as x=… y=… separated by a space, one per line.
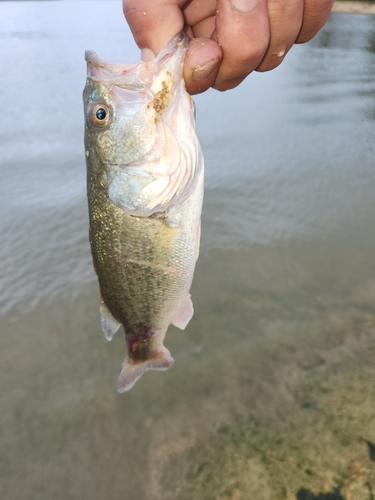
x=145 y=192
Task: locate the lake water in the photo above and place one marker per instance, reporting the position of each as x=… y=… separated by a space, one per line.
x=272 y=395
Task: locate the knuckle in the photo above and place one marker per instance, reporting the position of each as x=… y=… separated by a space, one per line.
x=129 y=5
x=274 y=57
x=253 y=51
x=223 y=85
x=269 y=63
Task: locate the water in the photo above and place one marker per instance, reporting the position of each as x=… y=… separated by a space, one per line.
x=272 y=393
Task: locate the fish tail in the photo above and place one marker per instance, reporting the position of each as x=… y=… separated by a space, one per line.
x=133 y=370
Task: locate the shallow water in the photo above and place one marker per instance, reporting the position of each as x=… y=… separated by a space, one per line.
x=272 y=393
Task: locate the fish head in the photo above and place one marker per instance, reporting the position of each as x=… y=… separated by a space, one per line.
x=140 y=130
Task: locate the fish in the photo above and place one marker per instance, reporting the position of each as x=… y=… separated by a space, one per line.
x=145 y=176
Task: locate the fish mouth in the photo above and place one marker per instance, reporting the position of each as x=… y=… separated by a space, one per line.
x=138 y=76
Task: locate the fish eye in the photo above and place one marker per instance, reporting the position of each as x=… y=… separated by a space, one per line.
x=99 y=115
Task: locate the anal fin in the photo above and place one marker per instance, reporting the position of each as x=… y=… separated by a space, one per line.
x=109 y=324
x=133 y=370
x=184 y=313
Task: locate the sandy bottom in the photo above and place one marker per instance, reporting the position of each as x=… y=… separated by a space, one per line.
x=271 y=397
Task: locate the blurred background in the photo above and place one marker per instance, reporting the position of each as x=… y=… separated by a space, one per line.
x=273 y=389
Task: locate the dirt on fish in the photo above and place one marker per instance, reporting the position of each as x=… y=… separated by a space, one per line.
x=161 y=98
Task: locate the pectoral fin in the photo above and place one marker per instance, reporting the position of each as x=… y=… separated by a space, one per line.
x=184 y=313
x=108 y=323
x=198 y=241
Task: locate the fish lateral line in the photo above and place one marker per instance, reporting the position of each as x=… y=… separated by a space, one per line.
x=126 y=260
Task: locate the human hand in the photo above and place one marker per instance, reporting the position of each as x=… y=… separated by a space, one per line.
x=229 y=38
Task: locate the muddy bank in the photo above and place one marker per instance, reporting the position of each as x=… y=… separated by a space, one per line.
x=354 y=7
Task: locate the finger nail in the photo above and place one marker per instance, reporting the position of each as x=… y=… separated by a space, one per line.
x=202 y=73
x=147 y=55
x=244 y=5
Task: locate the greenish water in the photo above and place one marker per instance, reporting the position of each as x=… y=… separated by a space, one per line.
x=272 y=395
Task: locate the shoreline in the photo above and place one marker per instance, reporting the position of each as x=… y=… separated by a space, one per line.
x=354 y=7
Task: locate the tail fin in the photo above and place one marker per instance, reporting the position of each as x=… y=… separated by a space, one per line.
x=132 y=371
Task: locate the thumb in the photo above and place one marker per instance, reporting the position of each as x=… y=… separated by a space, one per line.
x=153 y=23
